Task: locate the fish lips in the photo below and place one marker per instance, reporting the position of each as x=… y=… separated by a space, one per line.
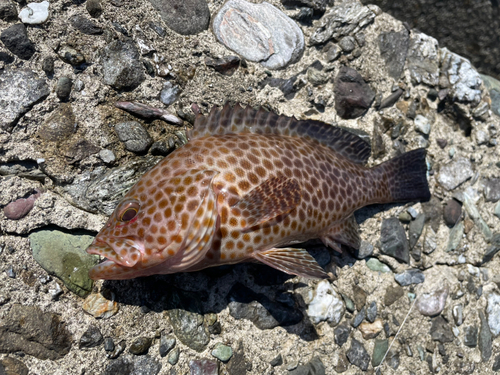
x=114 y=252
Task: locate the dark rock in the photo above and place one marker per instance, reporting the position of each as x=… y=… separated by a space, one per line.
x=359 y=296
x=341 y=334
x=496 y=363
x=140 y=345
x=318 y=5
x=63 y=88
x=358 y=319
x=393 y=240
x=313 y=367
x=393 y=49
x=167 y=343
x=491 y=189
x=109 y=344
x=6 y=57
x=59 y=125
x=392 y=294
x=415 y=229
x=238 y=364
x=392 y=359
x=433 y=212
x=48 y=65
x=226 y=65
x=470 y=336
x=358 y=355
x=8 y=11
x=122 y=68
x=28 y=329
x=119 y=348
x=144 y=365
x=347 y=43
x=122 y=366
x=441 y=331
x=12 y=366
x=305 y=15
x=186 y=17
x=94 y=8
x=203 y=367
x=332 y=51
x=161 y=148
x=493 y=248
x=187 y=321
x=91 y=337
x=442 y=142
x=277 y=361
x=71 y=55
x=20 y=90
x=452 y=212
x=264 y=313
x=158 y=29
x=353 y=96
x=287 y=86
x=390 y=100
x=85 y=25
x=371 y=312
x=485 y=339
x=15 y=39
x=135 y=137
x=409 y=277
x=78 y=150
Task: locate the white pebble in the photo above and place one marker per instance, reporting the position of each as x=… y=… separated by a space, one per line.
x=35 y=13
x=422 y=124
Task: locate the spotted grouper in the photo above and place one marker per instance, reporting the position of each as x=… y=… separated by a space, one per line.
x=247 y=186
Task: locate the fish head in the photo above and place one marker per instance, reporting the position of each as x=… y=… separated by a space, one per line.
x=155 y=226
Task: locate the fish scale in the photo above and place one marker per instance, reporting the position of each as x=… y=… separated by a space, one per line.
x=247 y=185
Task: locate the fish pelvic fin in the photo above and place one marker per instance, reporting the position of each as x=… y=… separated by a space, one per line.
x=406 y=177
x=274 y=197
x=345 y=233
x=292 y=261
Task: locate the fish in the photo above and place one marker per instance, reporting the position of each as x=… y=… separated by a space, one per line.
x=248 y=187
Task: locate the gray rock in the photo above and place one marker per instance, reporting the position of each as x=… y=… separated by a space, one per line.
x=423 y=61
x=64 y=256
x=422 y=124
x=122 y=68
x=458 y=315
x=140 y=345
x=143 y=365
x=71 y=55
x=135 y=137
x=365 y=250
x=392 y=294
x=415 y=230
x=28 y=329
x=390 y=100
x=347 y=43
x=496 y=363
x=63 y=88
x=469 y=199
x=94 y=7
x=186 y=17
x=203 y=367
x=485 y=340
x=493 y=86
x=346 y=18
x=91 y=338
x=118 y=349
x=470 y=336
x=376 y=265
x=170 y=93
x=371 y=312
x=358 y=319
x=393 y=49
x=491 y=189
x=20 y=90
x=440 y=330
x=251 y=29
x=353 y=96
x=316 y=76
x=222 y=352
x=226 y=65
x=332 y=51
x=455 y=173
x=341 y=332
x=456 y=235
x=409 y=277
x=60 y=124
x=12 y=366
x=109 y=344
x=465 y=80
x=173 y=356
x=358 y=355
x=393 y=240
x=15 y=39
x=379 y=350
x=8 y=11
x=432 y=304
x=85 y=25
x=493 y=313
x=313 y=367
x=493 y=248
x=167 y=343
x=107 y=156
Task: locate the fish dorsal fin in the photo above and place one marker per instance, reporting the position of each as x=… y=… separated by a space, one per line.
x=232 y=120
x=292 y=261
x=275 y=196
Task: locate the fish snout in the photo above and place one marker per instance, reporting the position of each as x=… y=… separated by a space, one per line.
x=124 y=252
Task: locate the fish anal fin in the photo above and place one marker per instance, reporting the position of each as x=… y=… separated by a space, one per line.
x=292 y=261
x=345 y=232
x=274 y=197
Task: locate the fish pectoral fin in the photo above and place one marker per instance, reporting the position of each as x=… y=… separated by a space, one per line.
x=274 y=197
x=292 y=261
x=345 y=232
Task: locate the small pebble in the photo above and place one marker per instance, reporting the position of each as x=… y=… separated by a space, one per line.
x=63 y=88
x=107 y=156
x=222 y=352
x=140 y=345
x=134 y=136
x=55 y=292
x=169 y=93
x=167 y=343
x=347 y=43
x=92 y=337
x=422 y=124
x=173 y=356
x=100 y=307
x=109 y=344
x=94 y=8
x=371 y=330
x=35 y=13
x=119 y=348
x=376 y=265
x=432 y=304
x=452 y=212
x=10 y=272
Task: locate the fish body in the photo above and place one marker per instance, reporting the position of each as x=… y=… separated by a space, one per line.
x=246 y=186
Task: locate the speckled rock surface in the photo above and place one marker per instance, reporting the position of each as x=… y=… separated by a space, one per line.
x=424 y=96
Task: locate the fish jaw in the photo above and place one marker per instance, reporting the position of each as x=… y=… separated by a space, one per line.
x=109 y=270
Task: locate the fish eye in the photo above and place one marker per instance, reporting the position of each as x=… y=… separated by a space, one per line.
x=129 y=211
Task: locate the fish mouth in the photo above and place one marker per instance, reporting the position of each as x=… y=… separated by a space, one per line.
x=128 y=258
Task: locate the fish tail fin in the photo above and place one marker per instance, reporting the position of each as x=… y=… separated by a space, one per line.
x=407 y=177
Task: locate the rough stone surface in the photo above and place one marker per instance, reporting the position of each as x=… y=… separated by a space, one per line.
x=122 y=69
x=393 y=240
x=326 y=304
x=409 y=277
x=358 y=355
x=135 y=137
x=394 y=48
x=455 y=173
x=35 y=13
x=353 y=96
x=20 y=90
x=186 y=17
x=15 y=39
x=259 y=32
